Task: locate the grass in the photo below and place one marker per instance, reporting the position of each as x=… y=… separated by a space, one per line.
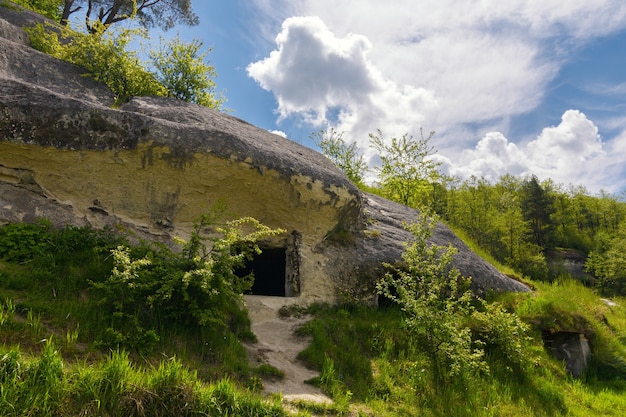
x=474 y=247
x=43 y=386
x=365 y=353
x=368 y=362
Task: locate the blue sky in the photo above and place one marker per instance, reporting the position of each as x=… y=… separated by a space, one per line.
x=522 y=86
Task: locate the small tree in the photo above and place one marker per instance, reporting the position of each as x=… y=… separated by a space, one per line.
x=440 y=311
x=151 y=288
x=346 y=157
x=537 y=208
x=406 y=167
x=437 y=303
x=181 y=68
x=607 y=262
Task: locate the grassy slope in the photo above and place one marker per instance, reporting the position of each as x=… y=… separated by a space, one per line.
x=369 y=363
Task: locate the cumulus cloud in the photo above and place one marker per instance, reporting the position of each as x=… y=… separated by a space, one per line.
x=314 y=73
x=449 y=66
x=480 y=61
x=279 y=133
x=571 y=152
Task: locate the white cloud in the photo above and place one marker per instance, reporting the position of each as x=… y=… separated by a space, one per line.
x=567 y=147
x=313 y=72
x=279 y=133
x=570 y=153
x=444 y=65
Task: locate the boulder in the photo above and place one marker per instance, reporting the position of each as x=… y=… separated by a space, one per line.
x=154 y=165
x=572 y=348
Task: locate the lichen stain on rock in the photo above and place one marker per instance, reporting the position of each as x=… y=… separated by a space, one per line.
x=144 y=185
x=315 y=193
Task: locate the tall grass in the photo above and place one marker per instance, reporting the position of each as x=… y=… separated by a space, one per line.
x=367 y=360
x=31 y=388
x=41 y=386
x=400 y=381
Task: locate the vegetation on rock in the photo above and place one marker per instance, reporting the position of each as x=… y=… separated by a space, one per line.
x=180 y=69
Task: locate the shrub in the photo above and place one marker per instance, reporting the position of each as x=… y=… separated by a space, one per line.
x=151 y=288
x=20 y=242
x=437 y=303
x=104 y=56
x=182 y=70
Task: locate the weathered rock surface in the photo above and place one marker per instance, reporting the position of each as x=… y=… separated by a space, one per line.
x=572 y=348
x=381 y=241
x=154 y=165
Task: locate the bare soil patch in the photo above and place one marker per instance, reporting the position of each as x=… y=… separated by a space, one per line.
x=279 y=346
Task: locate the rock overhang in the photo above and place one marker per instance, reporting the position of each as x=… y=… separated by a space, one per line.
x=155 y=164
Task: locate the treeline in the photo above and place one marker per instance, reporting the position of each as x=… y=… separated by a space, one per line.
x=520 y=220
x=523 y=222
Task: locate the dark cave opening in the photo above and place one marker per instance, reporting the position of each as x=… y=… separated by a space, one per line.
x=269 y=269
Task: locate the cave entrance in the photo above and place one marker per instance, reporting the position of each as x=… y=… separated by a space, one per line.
x=269 y=272
x=276 y=269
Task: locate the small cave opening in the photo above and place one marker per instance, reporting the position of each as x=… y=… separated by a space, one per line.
x=269 y=268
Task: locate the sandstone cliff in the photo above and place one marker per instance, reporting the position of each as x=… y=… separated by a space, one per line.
x=153 y=165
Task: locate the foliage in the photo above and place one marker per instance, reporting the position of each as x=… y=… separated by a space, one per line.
x=567 y=306
x=437 y=302
x=346 y=157
x=43 y=386
x=19 y=242
x=48 y=8
x=407 y=169
x=398 y=378
x=608 y=261
x=152 y=288
x=181 y=68
x=500 y=329
x=369 y=359
x=508 y=219
x=537 y=207
x=56 y=259
x=105 y=57
x=164 y=14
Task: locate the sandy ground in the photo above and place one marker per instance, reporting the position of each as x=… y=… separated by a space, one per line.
x=278 y=346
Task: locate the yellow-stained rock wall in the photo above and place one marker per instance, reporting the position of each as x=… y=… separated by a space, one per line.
x=143 y=188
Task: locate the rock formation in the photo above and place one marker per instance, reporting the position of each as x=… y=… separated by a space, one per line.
x=154 y=165
x=571 y=348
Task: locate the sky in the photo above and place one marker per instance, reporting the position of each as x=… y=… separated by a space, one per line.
x=509 y=87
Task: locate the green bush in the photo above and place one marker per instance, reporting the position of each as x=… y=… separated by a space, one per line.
x=181 y=69
x=48 y=8
x=104 y=56
x=437 y=303
x=152 y=288
x=21 y=242
x=45 y=259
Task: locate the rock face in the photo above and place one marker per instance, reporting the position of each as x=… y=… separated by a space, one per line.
x=154 y=165
x=572 y=349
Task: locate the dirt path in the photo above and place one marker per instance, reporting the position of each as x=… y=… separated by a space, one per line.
x=278 y=346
